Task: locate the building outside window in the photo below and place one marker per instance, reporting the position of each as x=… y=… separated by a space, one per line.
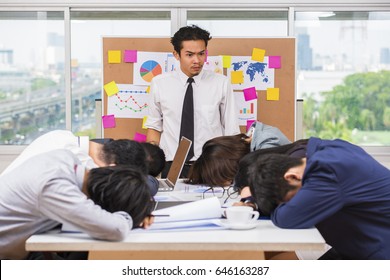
x=241 y=23
x=344 y=75
x=32 y=99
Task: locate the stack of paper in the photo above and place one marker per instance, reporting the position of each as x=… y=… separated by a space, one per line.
x=194 y=215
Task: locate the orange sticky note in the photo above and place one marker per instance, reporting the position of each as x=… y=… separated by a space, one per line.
x=114 y=56
x=237 y=77
x=273 y=94
x=111 y=88
x=258 y=54
x=227 y=61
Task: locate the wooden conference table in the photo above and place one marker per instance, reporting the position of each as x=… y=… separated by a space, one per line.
x=186 y=244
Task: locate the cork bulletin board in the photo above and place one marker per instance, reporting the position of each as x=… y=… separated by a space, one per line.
x=279 y=112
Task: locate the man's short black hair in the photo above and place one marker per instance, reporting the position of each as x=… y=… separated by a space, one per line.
x=121 y=188
x=265 y=178
x=189 y=33
x=125 y=152
x=155 y=158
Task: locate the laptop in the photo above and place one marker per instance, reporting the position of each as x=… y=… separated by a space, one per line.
x=165 y=204
x=168 y=184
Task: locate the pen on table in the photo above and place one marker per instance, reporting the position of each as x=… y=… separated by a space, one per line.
x=160 y=215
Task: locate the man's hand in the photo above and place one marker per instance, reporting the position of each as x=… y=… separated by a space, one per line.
x=147 y=222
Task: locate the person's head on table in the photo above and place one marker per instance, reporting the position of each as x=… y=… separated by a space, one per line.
x=54 y=188
x=155 y=158
x=218 y=163
x=118 y=152
x=337 y=187
x=190 y=45
x=128 y=152
x=120 y=188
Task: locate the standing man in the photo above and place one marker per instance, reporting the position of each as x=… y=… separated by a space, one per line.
x=190 y=101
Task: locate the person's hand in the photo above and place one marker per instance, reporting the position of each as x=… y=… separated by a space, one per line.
x=250 y=204
x=147 y=222
x=245 y=192
x=239 y=203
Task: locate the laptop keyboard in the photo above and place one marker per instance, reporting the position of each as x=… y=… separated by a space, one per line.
x=163 y=186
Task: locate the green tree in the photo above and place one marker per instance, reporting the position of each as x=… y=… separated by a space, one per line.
x=386 y=117
x=361 y=102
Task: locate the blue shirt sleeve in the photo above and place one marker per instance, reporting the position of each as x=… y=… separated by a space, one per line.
x=152 y=184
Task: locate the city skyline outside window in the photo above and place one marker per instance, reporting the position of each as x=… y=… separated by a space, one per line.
x=241 y=23
x=337 y=53
x=32 y=99
x=342 y=75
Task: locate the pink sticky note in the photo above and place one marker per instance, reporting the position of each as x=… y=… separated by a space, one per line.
x=139 y=137
x=108 y=121
x=249 y=123
x=130 y=56
x=274 y=62
x=250 y=93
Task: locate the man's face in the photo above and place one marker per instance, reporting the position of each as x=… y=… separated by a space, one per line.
x=192 y=57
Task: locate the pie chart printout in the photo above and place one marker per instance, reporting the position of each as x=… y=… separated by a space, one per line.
x=150 y=69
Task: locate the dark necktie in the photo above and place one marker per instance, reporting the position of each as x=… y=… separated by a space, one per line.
x=187 y=118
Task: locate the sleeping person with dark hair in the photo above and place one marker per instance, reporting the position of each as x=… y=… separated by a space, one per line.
x=54 y=187
x=218 y=162
x=336 y=187
x=92 y=153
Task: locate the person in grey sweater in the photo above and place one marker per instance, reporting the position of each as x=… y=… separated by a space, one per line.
x=54 y=188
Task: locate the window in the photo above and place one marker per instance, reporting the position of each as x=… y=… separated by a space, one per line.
x=344 y=75
x=32 y=99
x=241 y=23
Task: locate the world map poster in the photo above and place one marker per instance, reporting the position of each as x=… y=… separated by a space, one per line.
x=256 y=74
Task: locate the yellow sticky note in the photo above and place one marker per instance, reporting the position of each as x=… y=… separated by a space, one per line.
x=148 y=89
x=114 y=56
x=258 y=54
x=144 y=121
x=227 y=61
x=111 y=88
x=273 y=94
x=237 y=77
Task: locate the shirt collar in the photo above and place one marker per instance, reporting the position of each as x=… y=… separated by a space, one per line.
x=183 y=77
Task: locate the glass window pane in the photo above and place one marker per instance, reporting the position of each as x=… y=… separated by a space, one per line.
x=344 y=75
x=241 y=23
x=87 y=30
x=32 y=99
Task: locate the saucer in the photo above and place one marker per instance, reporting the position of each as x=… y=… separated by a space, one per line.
x=228 y=225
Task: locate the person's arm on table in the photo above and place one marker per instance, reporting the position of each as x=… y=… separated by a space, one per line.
x=308 y=207
x=71 y=206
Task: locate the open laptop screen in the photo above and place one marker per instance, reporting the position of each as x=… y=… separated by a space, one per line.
x=179 y=160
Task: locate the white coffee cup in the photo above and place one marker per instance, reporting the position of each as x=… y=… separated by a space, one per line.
x=241 y=214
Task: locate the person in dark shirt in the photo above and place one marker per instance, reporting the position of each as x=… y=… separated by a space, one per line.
x=337 y=188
